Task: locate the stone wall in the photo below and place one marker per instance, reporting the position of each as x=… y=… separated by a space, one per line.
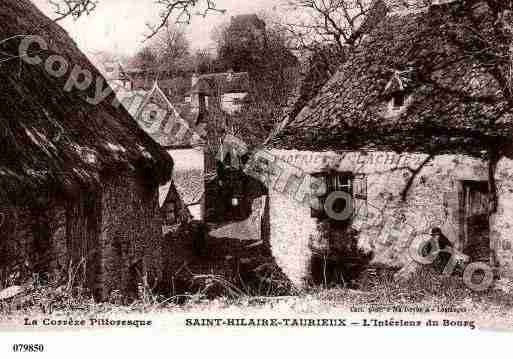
x=39 y=240
x=130 y=236
x=501 y=223
x=386 y=224
x=111 y=239
x=59 y=252
x=83 y=216
x=16 y=244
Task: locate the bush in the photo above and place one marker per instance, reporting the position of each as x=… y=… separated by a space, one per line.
x=336 y=258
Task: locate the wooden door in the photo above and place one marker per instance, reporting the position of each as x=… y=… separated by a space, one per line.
x=475 y=221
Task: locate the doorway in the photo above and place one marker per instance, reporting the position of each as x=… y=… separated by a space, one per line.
x=475 y=222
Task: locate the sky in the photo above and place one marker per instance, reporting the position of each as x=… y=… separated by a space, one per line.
x=119 y=26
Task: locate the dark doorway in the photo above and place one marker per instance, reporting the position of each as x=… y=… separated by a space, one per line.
x=475 y=224
x=136 y=279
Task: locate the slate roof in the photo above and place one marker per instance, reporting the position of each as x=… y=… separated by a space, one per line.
x=164 y=128
x=452 y=103
x=221 y=83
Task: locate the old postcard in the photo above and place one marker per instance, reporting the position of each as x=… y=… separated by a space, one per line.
x=199 y=167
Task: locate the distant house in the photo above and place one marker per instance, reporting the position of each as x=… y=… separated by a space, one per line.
x=155 y=114
x=211 y=101
x=174 y=85
x=134 y=78
x=173 y=207
x=225 y=90
x=409 y=153
x=79 y=182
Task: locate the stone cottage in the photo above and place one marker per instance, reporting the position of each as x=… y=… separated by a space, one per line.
x=413 y=135
x=79 y=178
x=224 y=90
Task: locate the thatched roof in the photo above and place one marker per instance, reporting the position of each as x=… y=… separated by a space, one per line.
x=53 y=139
x=451 y=104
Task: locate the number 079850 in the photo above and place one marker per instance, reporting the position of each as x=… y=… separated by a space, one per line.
x=28 y=348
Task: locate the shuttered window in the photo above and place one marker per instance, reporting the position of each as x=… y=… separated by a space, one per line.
x=360 y=195
x=354 y=185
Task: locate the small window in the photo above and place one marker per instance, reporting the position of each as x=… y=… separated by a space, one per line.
x=335 y=182
x=397 y=92
x=353 y=184
x=236 y=203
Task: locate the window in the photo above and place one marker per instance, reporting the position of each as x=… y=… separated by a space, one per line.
x=398 y=99
x=335 y=182
x=355 y=188
x=153 y=115
x=236 y=206
x=398 y=93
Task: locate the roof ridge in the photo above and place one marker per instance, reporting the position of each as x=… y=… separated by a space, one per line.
x=351 y=110
x=411 y=11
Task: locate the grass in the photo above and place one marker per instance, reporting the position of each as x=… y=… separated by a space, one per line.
x=424 y=286
x=425 y=289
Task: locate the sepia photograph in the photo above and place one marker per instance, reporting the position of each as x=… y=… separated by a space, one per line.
x=208 y=169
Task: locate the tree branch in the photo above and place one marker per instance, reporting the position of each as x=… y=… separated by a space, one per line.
x=182 y=10
x=73 y=8
x=415 y=172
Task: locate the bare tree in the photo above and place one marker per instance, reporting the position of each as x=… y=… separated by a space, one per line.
x=204 y=62
x=72 y=8
x=484 y=33
x=181 y=11
x=328 y=21
x=254 y=46
x=146 y=59
x=171 y=47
